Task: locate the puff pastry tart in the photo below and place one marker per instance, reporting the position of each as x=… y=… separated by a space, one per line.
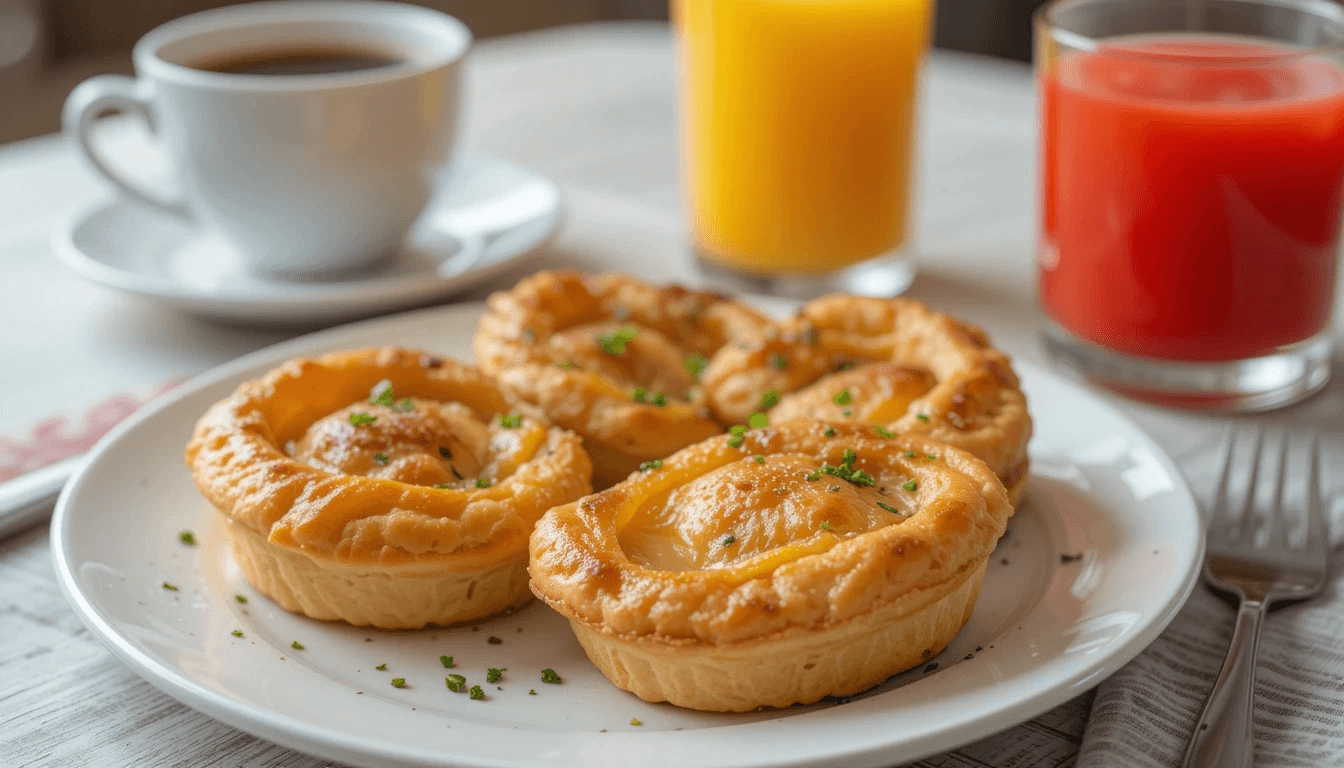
x=382 y=487
x=773 y=567
x=613 y=359
x=892 y=363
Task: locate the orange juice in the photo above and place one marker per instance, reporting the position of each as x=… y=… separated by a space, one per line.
x=798 y=125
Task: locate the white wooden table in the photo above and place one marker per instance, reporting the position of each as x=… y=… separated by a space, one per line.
x=591 y=107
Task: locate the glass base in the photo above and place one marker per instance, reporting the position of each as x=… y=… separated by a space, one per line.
x=887 y=275
x=1290 y=374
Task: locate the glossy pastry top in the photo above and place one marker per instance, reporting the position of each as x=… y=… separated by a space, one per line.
x=889 y=362
x=384 y=456
x=794 y=526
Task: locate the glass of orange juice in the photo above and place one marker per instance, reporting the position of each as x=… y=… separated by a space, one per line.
x=798 y=123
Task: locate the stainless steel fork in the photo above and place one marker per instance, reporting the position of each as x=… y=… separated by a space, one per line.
x=1253 y=555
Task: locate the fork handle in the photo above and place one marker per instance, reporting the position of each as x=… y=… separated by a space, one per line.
x=1224 y=735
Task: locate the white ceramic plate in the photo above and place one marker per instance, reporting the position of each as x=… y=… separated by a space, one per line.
x=1046 y=628
x=485 y=215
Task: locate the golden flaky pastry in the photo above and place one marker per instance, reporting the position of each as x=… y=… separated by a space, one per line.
x=894 y=363
x=779 y=566
x=613 y=359
x=383 y=487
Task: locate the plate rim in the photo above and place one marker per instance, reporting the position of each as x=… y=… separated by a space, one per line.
x=377 y=291
x=294 y=732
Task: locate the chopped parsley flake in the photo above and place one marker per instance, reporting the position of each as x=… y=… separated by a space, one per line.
x=510 y=420
x=758 y=420
x=889 y=508
x=398 y=682
x=493 y=674
x=760 y=459
x=296 y=645
x=729 y=540
x=830 y=432
x=381 y=667
x=360 y=418
x=833 y=488
x=381 y=458
x=779 y=362
x=695 y=364
x=405 y=405
x=813 y=476
x=442 y=486
x=736 y=442
x=446 y=661
x=240 y=598
x=883 y=432
x=737 y=430
x=188 y=538
x=636 y=721
x=769 y=400
x=909 y=454
x=932 y=457
x=482 y=482
x=237 y=633
x=651 y=464
x=910 y=485
x=825 y=525
x=549 y=676
x=169 y=587
x=381 y=394
x=531 y=691
x=845 y=471
x=641 y=395
x=922 y=416
x=568 y=365
x=847 y=412
x=455 y=683
x=476 y=693
x=614 y=343
x=845 y=366
x=843 y=398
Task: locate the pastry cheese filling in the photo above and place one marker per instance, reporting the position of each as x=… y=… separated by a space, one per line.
x=627 y=356
x=776 y=508
x=872 y=392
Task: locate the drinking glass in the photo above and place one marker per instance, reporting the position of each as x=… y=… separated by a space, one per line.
x=798 y=123
x=1192 y=176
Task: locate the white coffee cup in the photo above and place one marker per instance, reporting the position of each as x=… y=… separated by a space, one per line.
x=307 y=174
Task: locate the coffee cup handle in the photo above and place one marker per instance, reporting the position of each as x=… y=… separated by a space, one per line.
x=118 y=93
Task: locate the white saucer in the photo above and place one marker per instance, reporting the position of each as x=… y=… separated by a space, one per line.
x=485 y=215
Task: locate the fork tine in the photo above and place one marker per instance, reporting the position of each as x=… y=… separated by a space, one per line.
x=1276 y=526
x=1218 y=517
x=1242 y=525
x=1317 y=534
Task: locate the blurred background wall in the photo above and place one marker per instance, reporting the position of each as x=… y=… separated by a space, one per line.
x=48 y=46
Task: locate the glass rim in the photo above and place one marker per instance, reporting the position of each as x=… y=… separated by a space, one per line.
x=1046 y=24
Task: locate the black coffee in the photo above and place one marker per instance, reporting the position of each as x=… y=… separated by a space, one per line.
x=297 y=61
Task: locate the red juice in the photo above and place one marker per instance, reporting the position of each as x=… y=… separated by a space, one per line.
x=1191 y=205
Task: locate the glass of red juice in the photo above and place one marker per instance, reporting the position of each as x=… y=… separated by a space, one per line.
x=1192 y=184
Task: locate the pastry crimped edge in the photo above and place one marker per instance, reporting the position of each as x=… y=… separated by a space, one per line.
x=350 y=547
x=968 y=369
x=710 y=640
x=618 y=432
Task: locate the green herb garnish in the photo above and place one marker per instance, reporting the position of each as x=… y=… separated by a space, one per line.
x=738 y=432
x=381 y=667
x=651 y=464
x=932 y=457
x=493 y=674
x=455 y=683
x=237 y=633
x=636 y=721
x=825 y=525
x=240 y=598
x=482 y=482
x=296 y=645
x=169 y=587
x=846 y=470
x=381 y=458
x=758 y=420
x=695 y=364
x=884 y=432
x=922 y=416
x=360 y=418
x=641 y=395
x=779 y=362
x=382 y=394
x=829 y=432
x=405 y=405
x=568 y=365
x=729 y=540
x=443 y=486
x=188 y=538
x=843 y=398
x=769 y=400
x=476 y=693
x=398 y=682
x=760 y=459
x=510 y=421
x=910 y=485
x=889 y=508
x=549 y=676
x=614 y=343
x=446 y=661
x=531 y=691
